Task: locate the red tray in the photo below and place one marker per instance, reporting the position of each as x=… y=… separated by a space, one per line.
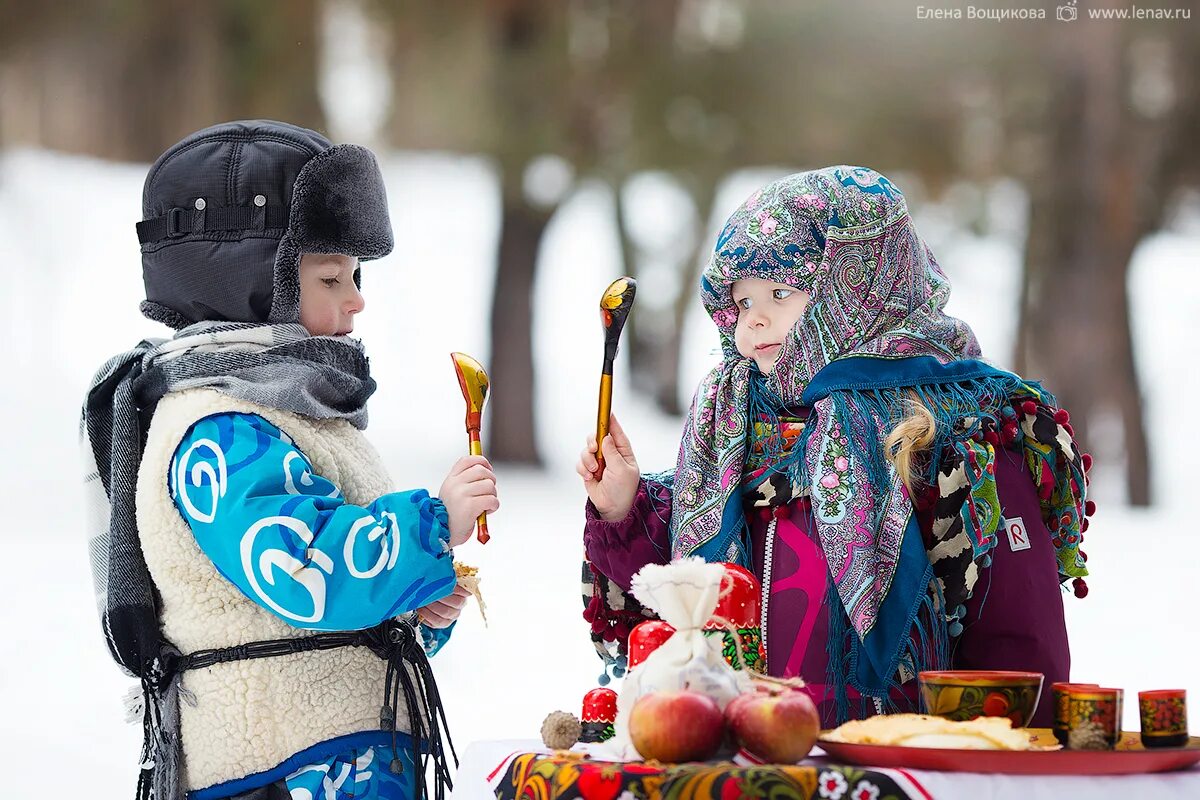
x=1128 y=758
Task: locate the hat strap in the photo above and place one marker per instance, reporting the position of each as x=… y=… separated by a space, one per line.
x=178 y=222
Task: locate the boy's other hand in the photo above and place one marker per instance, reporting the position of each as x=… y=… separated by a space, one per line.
x=440 y=613
x=468 y=491
x=614 y=492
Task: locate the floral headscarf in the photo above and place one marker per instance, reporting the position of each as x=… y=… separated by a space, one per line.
x=842 y=234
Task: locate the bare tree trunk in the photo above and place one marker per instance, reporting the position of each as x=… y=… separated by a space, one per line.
x=512 y=434
x=639 y=344
x=670 y=351
x=1039 y=255
x=1087 y=215
x=126 y=83
x=185 y=64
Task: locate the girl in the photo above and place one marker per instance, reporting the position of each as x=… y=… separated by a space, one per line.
x=255 y=568
x=905 y=505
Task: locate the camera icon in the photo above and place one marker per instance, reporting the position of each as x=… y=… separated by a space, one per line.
x=1068 y=13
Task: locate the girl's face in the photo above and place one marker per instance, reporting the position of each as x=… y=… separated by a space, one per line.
x=767 y=311
x=328 y=297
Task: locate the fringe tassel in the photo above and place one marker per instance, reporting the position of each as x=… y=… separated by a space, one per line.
x=426 y=716
x=150 y=727
x=960 y=410
x=770 y=448
x=838 y=650
x=928 y=647
x=156 y=702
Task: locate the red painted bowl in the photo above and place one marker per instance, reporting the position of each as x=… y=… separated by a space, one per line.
x=966 y=694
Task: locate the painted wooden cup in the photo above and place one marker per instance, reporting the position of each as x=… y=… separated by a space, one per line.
x=1060 y=693
x=1093 y=718
x=1164 y=717
x=645 y=638
x=598 y=715
x=967 y=694
x=738 y=609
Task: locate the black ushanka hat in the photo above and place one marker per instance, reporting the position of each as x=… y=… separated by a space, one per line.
x=230 y=209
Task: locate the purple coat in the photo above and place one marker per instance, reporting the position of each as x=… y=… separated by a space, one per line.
x=1014 y=619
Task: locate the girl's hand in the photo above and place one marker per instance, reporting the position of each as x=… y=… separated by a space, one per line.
x=613 y=494
x=440 y=613
x=468 y=491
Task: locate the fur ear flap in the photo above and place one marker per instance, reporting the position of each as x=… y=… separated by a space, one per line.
x=339 y=205
x=285 y=294
x=167 y=316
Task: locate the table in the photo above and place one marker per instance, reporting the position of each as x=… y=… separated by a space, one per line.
x=480 y=761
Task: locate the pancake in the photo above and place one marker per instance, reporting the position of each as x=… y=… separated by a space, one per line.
x=468 y=578
x=920 y=730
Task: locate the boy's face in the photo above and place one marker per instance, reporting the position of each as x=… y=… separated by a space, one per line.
x=767 y=311
x=328 y=297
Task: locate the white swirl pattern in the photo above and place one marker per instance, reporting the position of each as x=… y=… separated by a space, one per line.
x=282 y=563
x=301 y=782
x=305 y=478
x=384 y=529
x=218 y=479
x=374 y=535
x=308 y=577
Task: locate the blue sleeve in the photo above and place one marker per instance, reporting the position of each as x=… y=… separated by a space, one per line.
x=287 y=538
x=433 y=639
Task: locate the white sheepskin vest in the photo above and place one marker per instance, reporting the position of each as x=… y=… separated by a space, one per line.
x=250 y=715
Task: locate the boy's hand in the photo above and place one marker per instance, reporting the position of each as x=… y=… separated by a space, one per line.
x=440 y=613
x=613 y=494
x=468 y=491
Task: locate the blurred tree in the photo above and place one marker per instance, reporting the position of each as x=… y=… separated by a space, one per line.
x=723 y=85
x=691 y=88
x=670 y=79
x=504 y=84
x=530 y=84
x=1113 y=142
x=125 y=79
x=1096 y=119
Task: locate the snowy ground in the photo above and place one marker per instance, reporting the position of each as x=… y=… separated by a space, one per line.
x=72 y=281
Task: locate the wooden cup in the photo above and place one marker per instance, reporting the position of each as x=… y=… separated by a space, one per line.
x=1164 y=717
x=1060 y=695
x=1093 y=718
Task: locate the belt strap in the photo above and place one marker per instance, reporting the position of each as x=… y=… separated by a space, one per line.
x=393 y=641
x=272 y=647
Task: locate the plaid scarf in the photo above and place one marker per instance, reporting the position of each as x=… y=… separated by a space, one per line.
x=279 y=366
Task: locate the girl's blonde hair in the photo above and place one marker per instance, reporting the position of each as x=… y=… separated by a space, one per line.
x=912 y=434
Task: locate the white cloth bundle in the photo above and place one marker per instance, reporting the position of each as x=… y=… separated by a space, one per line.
x=684 y=594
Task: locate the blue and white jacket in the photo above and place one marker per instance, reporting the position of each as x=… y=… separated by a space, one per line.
x=262 y=524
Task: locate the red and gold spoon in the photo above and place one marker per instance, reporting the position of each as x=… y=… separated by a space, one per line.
x=473 y=381
x=615 y=304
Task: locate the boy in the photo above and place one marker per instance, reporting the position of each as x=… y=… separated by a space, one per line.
x=252 y=560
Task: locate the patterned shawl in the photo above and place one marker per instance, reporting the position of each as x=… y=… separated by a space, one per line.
x=844 y=235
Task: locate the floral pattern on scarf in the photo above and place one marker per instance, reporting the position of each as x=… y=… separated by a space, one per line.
x=844 y=235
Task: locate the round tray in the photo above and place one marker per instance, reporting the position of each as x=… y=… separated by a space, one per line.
x=1129 y=757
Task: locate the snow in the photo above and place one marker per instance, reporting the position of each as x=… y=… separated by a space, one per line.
x=72 y=274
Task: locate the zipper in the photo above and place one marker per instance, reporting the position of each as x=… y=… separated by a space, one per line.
x=768 y=563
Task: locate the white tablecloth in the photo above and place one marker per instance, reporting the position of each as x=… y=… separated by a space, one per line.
x=482 y=758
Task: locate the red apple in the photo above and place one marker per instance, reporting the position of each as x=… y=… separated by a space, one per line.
x=676 y=726
x=731 y=706
x=779 y=727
